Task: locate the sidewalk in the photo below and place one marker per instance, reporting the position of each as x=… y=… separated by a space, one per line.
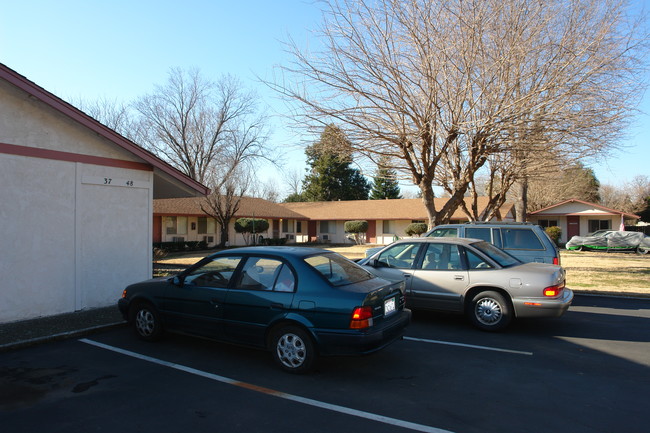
x=24 y=333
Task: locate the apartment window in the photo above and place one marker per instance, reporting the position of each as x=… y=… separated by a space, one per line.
x=328 y=226
x=287 y=226
x=599 y=225
x=547 y=223
x=389 y=227
x=206 y=225
x=298 y=226
x=176 y=225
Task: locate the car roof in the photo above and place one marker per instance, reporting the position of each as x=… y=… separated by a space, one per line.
x=276 y=250
x=455 y=241
x=487 y=223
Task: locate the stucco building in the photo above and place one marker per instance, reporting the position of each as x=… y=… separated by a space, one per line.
x=76 y=205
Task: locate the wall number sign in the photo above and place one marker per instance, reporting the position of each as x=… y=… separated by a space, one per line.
x=113 y=181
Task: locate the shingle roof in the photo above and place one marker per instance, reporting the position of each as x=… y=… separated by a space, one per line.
x=249 y=207
x=394 y=209
x=397 y=209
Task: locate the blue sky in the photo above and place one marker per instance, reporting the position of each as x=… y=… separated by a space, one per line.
x=85 y=49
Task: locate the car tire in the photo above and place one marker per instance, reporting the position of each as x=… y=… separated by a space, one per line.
x=146 y=321
x=293 y=349
x=489 y=311
x=642 y=250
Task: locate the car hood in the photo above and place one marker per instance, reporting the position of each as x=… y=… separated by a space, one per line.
x=148 y=283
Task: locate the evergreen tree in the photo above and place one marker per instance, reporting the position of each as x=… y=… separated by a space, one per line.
x=385 y=183
x=331 y=176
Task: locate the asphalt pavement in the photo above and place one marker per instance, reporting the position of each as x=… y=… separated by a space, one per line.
x=15 y=335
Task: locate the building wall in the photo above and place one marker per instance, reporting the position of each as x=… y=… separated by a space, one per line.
x=614 y=222
x=73 y=234
x=235 y=239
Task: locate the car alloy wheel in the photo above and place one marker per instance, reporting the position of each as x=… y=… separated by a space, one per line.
x=146 y=322
x=490 y=311
x=293 y=349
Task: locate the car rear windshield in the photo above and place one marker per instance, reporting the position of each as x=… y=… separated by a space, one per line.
x=338 y=270
x=501 y=257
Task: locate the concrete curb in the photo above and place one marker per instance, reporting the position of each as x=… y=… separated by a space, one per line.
x=60 y=336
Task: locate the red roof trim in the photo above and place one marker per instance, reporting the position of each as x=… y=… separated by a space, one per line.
x=75 y=114
x=36 y=152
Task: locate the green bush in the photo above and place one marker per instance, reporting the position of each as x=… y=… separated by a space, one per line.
x=251 y=225
x=172 y=247
x=356 y=226
x=248 y=227
x=275 y=241
x=416 y=229
x=554 y=233
x=358 y=229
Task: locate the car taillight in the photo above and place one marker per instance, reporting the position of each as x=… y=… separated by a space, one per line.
x=553 y=291
x=361 y=318
x=556 y=260
x=124 y=293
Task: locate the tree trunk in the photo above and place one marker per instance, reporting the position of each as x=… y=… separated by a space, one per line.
x=521 y=199
x=223 y=241
x=428 y=198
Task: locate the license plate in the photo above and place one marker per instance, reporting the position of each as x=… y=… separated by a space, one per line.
x=389 y=306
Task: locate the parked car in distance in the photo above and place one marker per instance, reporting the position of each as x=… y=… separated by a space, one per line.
x=472 y=277
x=298 y=303
x=526 y=241
x=611 y=240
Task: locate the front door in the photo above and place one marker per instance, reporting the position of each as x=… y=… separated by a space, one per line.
x=573 y=226
x=439 y=282
x=197 y=305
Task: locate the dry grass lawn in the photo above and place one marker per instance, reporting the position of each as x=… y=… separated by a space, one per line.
x=587 y=272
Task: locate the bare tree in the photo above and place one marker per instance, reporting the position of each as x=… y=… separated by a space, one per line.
x=211 y=131
x=112 y=113
x=267 y=190
x=294 y=180
x=223 y=203
x=191 y=123
x=442 y=86
x=632 y=196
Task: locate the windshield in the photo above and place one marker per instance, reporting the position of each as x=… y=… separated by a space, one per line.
x=338 y=270
x=501 y=257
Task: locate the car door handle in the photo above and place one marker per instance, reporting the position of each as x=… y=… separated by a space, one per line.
x=276 y=305
x=215 y=302
x=407 y=275
x=459 y=277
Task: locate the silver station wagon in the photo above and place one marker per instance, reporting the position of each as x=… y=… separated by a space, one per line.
x=472 y=277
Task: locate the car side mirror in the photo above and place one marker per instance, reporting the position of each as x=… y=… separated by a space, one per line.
x=378 y=264
x=178 y=281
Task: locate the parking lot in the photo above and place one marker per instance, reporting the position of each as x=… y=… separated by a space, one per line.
x=588 y=371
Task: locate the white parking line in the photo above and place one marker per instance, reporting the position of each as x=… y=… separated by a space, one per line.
x=471 y=346
x=274 y=393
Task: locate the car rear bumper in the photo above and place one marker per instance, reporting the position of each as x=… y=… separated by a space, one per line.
x=536 y=307
x=360 y=342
